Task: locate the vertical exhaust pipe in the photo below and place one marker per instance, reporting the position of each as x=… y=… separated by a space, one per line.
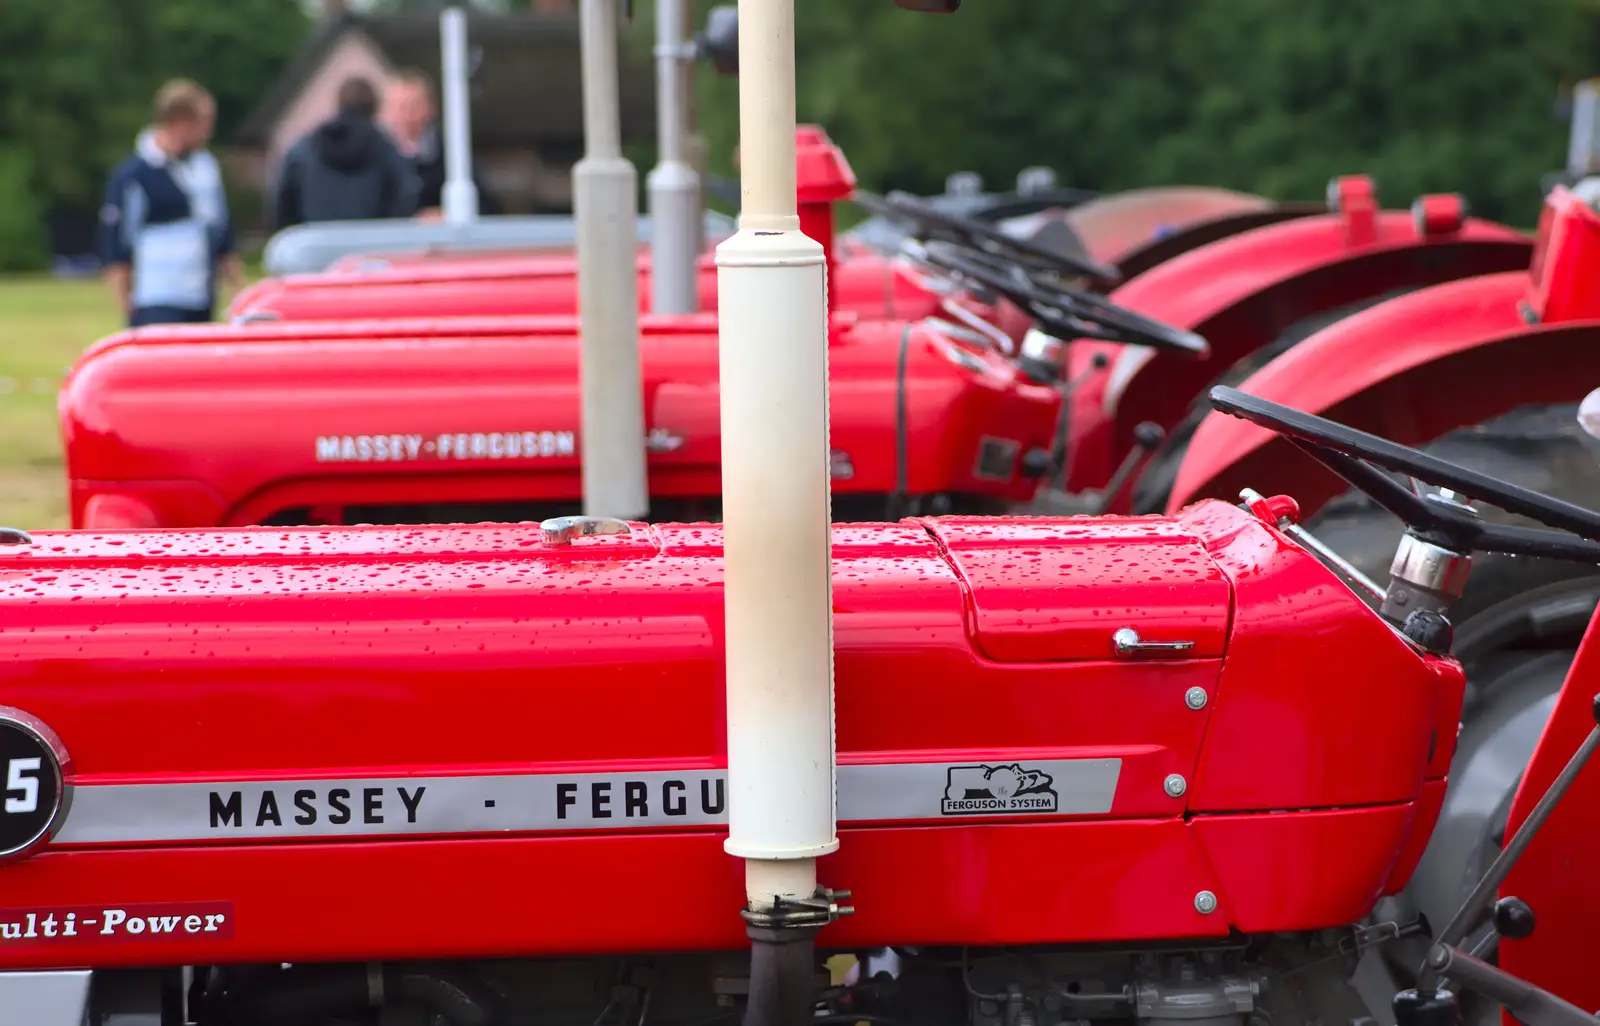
x=772 y=287
x=459 y=196
x=772 y=284
x=673 y=185
x=606 y=206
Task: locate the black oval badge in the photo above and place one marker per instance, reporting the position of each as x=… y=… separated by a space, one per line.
x=35 y=783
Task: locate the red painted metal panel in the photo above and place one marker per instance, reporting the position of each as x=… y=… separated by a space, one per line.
x=1240 y=293
x=1556 y=875
x=264 y=655
x=302 y=902
x=1410 y=370
x=1425 y=814
x=131 y=415
x=1302 y=870
x=1056 y=588
x=1318 y=705
x=866 y=283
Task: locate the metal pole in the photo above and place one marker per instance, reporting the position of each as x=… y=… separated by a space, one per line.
x=674 y=186
x=776 y=505
x=606 y=205
x=459 y=195
x=1583 y=142
x=694 y=144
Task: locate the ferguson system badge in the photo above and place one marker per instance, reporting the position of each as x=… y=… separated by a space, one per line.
x=35 y=783
x=985 y=790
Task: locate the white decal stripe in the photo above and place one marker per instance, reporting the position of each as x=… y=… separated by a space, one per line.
x=124 y=813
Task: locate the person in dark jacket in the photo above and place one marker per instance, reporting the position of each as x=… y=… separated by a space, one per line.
x=410 y=115
x=165 y=234
x=346 y=168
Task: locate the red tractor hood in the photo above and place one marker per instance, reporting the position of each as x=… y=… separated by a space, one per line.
x=864 y=282
x=237 y=425
x=360 y=263
x=360 y=710
x=524 y=326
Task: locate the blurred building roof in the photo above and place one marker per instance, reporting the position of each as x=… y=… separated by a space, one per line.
x=527 y=88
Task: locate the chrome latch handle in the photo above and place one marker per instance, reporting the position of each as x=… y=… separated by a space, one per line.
x=561 y=530
x=1126 y=641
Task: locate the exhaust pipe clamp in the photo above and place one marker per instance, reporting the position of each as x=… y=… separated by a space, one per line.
x=792 y=914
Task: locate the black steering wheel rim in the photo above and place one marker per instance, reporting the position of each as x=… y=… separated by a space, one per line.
x=977 y=234
x=1063 y=311
x=1059 y=198
x=1360 y=458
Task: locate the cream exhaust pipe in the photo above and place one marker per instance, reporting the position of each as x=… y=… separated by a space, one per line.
x=772 y=284
x=772 y=288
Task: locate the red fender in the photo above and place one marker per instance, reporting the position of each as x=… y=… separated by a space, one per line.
x=1115 y=226
x=1241 y=293
x=1410 y=370
x=1415 y=368
x=1161 y=248
x=1555 y=875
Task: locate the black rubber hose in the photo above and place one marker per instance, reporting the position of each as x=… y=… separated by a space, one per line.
x=782 y=985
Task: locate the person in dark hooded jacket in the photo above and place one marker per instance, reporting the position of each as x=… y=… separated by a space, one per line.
x=346 y=168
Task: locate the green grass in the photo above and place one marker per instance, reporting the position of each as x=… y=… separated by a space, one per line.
x=44 y=325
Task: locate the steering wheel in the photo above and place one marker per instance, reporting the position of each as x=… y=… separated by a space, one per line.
x=976 y=234
x=1361 y=458
x=1033 y=203
x=1062 y=311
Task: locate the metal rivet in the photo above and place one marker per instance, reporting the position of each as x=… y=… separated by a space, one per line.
x=1195 y=698
x=1205 y=903
x=1175 y=785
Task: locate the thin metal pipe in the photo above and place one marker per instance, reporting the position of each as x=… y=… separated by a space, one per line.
x=459 y=196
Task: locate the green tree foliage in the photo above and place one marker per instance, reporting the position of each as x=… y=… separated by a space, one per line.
x=1262 y=95
x=76 y=80
x=21 y=234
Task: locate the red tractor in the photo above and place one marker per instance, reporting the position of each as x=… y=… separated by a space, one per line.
x=949 y=414
x=388 y=774
x=1102 y=239
x=464 y=420
x=1130 y=231
x=1537 y=324
x=1089 y=770
x=1485 y=372
x=1251 y=295
x=865 y=280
